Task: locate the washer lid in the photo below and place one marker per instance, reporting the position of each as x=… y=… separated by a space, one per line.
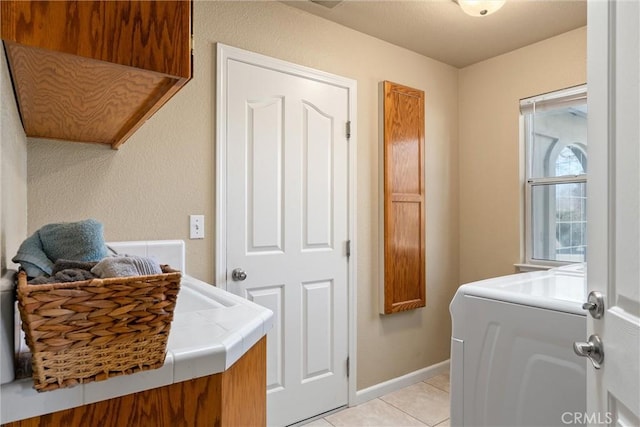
x=561 y=289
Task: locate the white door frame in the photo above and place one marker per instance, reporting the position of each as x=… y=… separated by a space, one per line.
x=224 y=54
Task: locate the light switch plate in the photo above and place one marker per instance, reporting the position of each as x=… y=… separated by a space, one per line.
x=196 y=226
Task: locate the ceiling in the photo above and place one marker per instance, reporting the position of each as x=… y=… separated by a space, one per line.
x=440 y=30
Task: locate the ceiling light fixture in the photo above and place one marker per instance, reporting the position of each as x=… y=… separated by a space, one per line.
x=480 y=7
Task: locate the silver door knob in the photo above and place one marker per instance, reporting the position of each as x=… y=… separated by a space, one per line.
x=592 y=349
x=238 y=275
x=594 y=304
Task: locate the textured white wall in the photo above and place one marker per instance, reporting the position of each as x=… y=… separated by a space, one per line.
x=491 y=175
x=165 y=172
x=13 y=172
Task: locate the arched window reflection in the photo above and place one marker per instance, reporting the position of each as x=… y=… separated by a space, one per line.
x=572 y=160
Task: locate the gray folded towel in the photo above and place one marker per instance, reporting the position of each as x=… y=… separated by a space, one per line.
x=66 y=264
x=127 y=265
x=63 y=276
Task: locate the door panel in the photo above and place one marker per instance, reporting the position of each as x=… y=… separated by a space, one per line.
x=271 y=298
x=287 y=227
x=613 y=206
x=318 y=186
x=264 y=169
x=317 y=329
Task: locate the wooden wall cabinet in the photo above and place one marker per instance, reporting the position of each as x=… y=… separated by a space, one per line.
x=403 y=287
x=95 y=71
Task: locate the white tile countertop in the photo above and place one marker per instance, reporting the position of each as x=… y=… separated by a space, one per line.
x=210 y=331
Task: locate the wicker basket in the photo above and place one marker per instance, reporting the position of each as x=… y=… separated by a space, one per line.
x=87 y=331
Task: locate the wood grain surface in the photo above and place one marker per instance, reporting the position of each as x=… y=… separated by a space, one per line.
x=244 y=398
x=234 y=398
x=95 y=71
x=404 y=199
x=151 y=35
x=72 y=98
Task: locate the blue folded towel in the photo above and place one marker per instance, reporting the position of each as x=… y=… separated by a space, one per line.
x=32 y=258
x=79 y=241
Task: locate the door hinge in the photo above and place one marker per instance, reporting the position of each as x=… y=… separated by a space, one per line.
x=347 y=367
x=191 y=42
x=348 y=248
x=348 y=129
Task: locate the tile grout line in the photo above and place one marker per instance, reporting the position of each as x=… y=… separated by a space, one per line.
x=329 y=422
x=408 y=414
x=431 y=385
x=435 y=386
x=403 y=411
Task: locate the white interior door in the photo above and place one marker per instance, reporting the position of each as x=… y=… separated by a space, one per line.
x=613 y=392
x=287 y=225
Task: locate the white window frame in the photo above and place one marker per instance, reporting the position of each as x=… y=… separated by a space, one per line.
x=563 y=97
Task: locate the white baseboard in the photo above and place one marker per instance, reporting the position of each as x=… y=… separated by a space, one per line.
x=394 y=384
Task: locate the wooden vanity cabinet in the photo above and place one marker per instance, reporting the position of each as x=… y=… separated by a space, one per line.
x=95 y=71
x=235 y=397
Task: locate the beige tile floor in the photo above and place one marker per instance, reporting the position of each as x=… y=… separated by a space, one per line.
x=423 y=404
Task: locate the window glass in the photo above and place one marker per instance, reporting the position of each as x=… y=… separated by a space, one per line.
x=559 y=226
x=555 y=135
x=556 y=176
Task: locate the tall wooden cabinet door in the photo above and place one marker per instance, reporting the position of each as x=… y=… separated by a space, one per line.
x=404 y=213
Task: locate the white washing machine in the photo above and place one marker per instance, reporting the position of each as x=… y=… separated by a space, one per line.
x=512 y=358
